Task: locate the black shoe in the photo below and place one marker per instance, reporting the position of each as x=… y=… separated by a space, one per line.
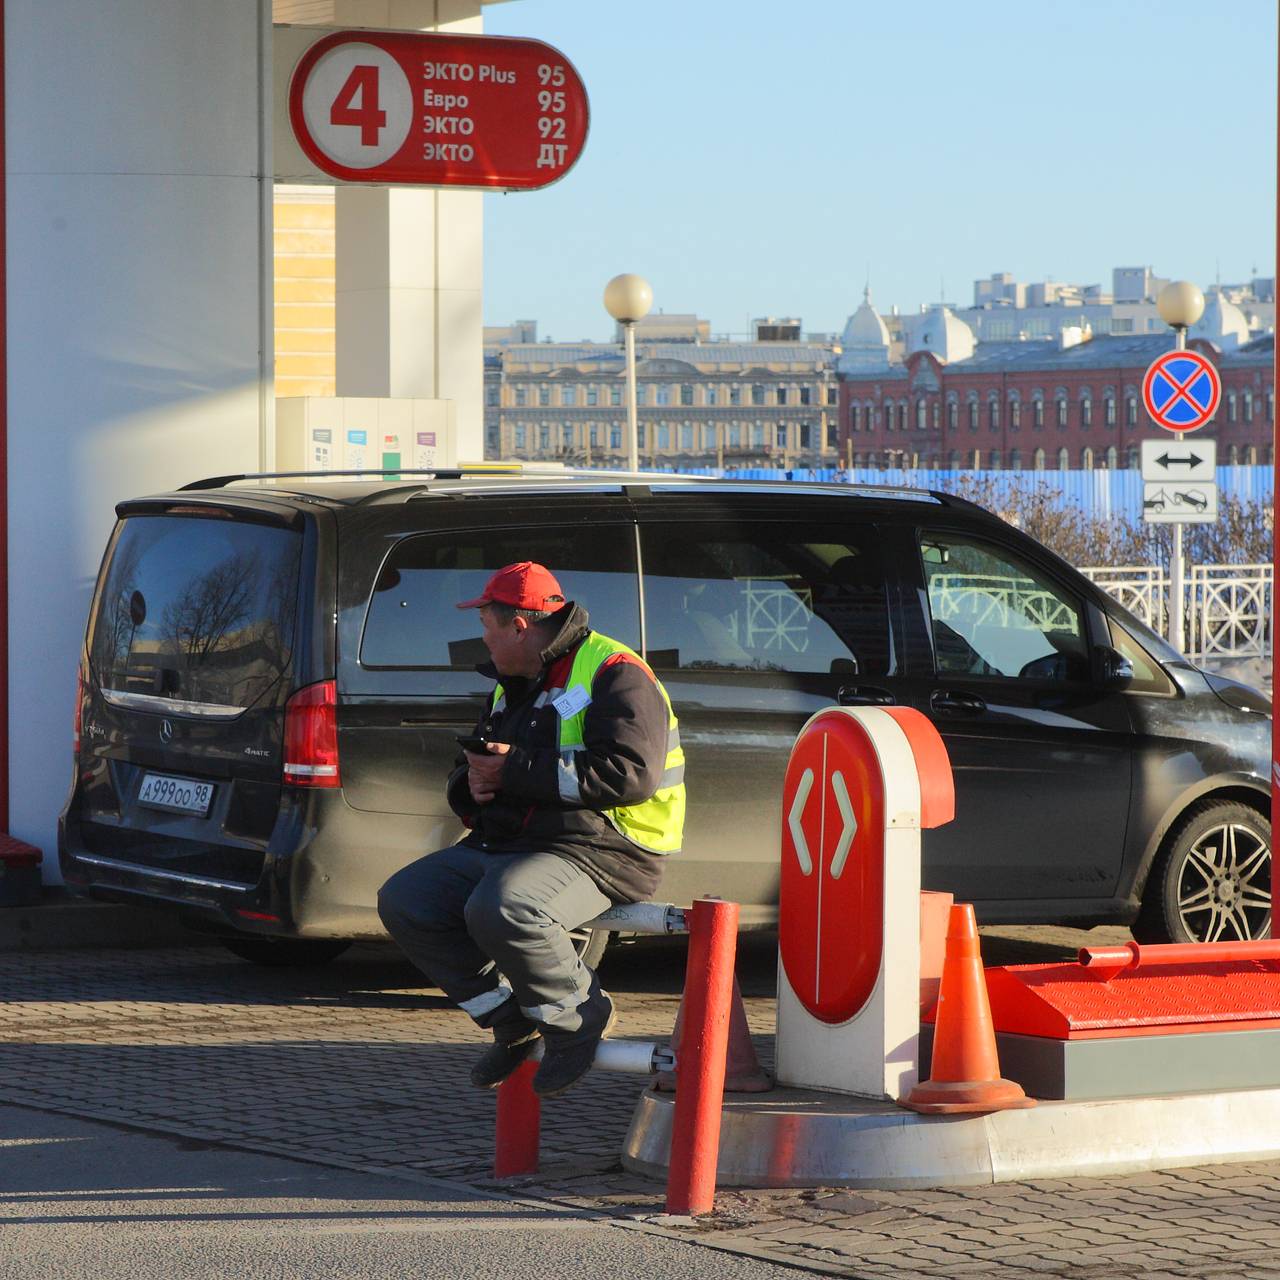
x=499 y=1060
x=565 y=1064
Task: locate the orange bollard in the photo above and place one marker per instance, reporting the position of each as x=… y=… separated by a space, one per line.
x=700 y=1068
x=965 y=1075
x=519 y=1128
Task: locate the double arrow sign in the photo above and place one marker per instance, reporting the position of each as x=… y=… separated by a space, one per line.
x=1163 y=461
x=841 y=853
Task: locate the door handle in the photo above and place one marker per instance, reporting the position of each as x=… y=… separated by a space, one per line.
x=953 y=701
x=864 y=695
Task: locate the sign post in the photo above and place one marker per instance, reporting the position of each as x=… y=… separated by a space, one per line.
x=1180 y=391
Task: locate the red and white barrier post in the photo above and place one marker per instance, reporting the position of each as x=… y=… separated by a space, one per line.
x=699 y=1061
x=700 y=1056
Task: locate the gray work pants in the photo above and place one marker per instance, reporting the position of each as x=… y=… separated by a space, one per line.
x=491 y=930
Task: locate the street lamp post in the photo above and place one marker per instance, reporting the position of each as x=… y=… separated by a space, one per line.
x=627 y=298
x=1180 y=305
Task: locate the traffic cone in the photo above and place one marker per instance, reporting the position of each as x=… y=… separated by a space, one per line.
x=743 y=1072
x=965 y=1075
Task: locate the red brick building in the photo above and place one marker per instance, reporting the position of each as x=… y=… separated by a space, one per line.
x=1040 y=404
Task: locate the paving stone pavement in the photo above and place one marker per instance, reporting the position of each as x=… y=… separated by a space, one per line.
x=356 y=1064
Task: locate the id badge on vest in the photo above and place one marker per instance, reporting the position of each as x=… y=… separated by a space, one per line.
x=571 y=702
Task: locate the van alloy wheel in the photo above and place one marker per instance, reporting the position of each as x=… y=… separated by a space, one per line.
x=1212 y=879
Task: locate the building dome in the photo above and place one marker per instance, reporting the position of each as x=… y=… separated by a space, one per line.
x=865 y=340
x=1223 y=323
x=943 y=333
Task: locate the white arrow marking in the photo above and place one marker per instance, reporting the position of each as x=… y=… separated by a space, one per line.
x=793 y=821
x=850 y=824
x=1275 y=771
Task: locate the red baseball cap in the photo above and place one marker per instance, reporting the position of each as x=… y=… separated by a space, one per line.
x=525 y=585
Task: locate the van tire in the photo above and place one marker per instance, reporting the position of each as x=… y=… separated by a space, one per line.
x=590 y=944
x=1214 y=841
x=279 y=953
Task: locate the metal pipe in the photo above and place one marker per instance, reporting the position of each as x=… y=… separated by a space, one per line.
x=708 y=995
x=641 y=917
x=1134 y=955
x=633 y=448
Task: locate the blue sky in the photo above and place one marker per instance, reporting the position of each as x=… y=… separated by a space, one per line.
x=756 y=158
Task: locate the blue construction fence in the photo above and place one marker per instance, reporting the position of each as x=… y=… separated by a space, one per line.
x=1100 y=494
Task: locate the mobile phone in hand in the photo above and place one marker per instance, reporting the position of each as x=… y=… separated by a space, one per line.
x=472 y=742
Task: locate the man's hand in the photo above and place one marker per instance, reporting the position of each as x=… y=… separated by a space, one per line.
x=484 y=770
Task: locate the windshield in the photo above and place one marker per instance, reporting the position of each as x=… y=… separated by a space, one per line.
x=197 y=613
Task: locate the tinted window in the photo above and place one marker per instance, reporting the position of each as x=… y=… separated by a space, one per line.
x=777 y=598
x=197 y=609
x=413 y=620
x=993 y=614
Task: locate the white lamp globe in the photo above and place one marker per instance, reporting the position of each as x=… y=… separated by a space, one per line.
x=1180 y=304
x=628 y=298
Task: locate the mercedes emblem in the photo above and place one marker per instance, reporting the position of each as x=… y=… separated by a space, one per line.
x=166 y=731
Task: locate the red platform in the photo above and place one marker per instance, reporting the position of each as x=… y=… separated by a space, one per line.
x=1067 y=1002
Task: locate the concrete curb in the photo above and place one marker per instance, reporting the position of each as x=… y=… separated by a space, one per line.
x=60 y=922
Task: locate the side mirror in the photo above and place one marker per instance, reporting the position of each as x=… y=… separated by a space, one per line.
x=1115 y=669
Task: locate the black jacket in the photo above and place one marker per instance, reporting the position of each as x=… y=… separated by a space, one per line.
x=625 y=736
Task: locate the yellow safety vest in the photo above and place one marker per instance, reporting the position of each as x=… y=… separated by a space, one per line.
x=655 y=824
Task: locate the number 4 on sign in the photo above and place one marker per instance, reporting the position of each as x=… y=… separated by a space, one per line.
x=362 y=83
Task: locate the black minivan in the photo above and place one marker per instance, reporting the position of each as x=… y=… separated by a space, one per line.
x=274 y=672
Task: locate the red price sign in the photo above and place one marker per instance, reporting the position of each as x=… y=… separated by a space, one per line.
x=436 y=110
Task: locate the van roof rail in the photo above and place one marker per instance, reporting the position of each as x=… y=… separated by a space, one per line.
x=438 y=473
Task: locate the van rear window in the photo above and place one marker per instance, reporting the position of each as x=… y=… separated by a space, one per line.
x=195 y=614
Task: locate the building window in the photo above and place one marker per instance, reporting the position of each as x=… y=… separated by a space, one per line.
x=973 y=415
x=953 y=415
x=757 y=435
x=615 y=437
x=1086 y=412
x=544 y=438
x=1062 y=411
x=1037 y=414
x=708 y=395
x=735 y=395
x=1233 y=455
x=1231 y=406
x=805 y=395
x=855 y=418
x=782 y=395
x=642 y=395
x=566 y=436
x=1131 y=458
x=1015 y=460
x=1112 y=456
x=639 y=435
x=1251 y=456
x=664 y=436
x=994 y=460
x=1015 y=415
x=833 y=395
x=522 y=397
x=1110 y=415
x=1131 y=411
x=593 y=397
x=521 y=435
x=1271 y=406
x=686 y=437
x=993 y=414
x=1064 y=459
x=757 y=394
x=781 y=435
x=833 y=436
x=544 y=397
x=615 y=395
x=735 y=436
x=491 y=395
x=921 y=411
x=1248 y=406
x=1086 y=458
x=1037 y=460
x=568 y=396
x=593 y=435
x=686 y=394
x=664 y=394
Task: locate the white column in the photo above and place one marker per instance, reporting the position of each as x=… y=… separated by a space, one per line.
x=409 y=266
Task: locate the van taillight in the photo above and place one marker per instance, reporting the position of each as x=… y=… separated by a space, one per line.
x=311 y=736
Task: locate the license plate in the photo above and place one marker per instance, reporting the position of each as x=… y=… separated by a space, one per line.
x=181 y=795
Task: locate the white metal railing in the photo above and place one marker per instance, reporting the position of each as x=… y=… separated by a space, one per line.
x=1226 y=607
